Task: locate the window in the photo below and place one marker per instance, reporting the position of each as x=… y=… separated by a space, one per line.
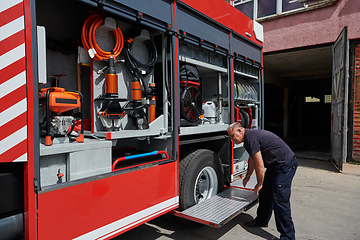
x=327 y=99
x=246 y=7
x=288 y=5
x=237 y=2
x=255 y=9
x=266 y=8
x=311 y=99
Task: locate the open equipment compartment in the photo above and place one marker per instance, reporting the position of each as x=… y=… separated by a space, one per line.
x=147 y=115
x=247 y=95
x=115 y=156
x=108 y=78
x=204 y=46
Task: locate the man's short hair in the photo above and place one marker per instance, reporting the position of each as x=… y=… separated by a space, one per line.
x=234 y=126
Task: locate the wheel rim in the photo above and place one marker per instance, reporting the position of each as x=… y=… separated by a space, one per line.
x=206 y=185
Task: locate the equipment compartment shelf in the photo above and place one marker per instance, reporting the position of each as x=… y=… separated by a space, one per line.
x=88 y=144
x=202 y=66
x=190 y=130
x=245 y=75
x=66 y=162
x=155 y=129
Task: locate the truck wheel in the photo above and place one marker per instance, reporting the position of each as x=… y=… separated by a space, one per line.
x=200 y=177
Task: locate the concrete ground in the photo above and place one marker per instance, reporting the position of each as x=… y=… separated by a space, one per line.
x=325 y=205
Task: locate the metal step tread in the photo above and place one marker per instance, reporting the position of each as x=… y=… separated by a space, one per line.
x=224 y=206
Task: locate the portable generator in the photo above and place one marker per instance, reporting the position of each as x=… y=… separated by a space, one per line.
x=57 y=102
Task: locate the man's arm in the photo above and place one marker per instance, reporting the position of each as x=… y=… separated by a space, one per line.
x=259 y=170
x=249 y=172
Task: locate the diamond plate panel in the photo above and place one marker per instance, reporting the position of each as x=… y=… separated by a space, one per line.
x=224 y=206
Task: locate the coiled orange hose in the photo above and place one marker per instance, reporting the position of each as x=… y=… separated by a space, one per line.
x=88 y=39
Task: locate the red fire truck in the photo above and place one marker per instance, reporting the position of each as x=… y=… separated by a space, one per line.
x=114 y=112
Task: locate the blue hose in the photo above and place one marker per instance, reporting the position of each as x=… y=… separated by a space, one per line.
x=141 y=155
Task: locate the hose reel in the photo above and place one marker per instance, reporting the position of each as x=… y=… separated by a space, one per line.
x=88 y=39
x=190 y=96
x=191 y=104
x=244 y=116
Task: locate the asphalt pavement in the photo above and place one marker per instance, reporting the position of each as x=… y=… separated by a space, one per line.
x=325 y=205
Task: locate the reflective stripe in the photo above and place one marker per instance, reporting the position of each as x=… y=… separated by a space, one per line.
x=130 y=221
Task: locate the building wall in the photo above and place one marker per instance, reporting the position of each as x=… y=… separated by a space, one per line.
x=314 y=27
x=356 y=106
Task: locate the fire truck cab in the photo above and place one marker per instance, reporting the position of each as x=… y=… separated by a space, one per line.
x=113 y=113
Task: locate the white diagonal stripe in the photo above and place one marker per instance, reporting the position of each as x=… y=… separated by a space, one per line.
x=12 y=84
x=13 y=139
x=8 y=4
x=22 y=158
x=12 y=56
x=11 y=28
x=129 y=221
x=13 y=111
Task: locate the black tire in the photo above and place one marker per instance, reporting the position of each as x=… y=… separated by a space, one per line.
x=199 y=173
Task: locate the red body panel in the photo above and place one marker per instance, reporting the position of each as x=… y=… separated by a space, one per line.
x=114 y=204
x=30 y=223
x=176 y=107
x=234 y=19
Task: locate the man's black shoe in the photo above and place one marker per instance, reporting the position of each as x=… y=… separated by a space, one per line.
x=254 y=223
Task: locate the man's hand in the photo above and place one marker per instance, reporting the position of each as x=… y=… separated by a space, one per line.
x=259 y=170
x=257 y=188
x=245 y=181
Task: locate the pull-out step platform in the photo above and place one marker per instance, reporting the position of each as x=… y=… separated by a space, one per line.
x=224 y=206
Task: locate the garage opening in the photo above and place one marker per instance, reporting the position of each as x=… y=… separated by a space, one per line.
x=298 y=99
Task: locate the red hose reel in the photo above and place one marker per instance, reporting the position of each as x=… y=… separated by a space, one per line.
x=190 y=96
x=244 y=116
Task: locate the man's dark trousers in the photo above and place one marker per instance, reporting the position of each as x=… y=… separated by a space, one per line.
x=275 y=195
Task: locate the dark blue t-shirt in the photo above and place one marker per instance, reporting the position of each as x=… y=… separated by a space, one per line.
x=273 y=149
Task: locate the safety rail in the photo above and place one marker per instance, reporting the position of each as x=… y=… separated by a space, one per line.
x=153 y=153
